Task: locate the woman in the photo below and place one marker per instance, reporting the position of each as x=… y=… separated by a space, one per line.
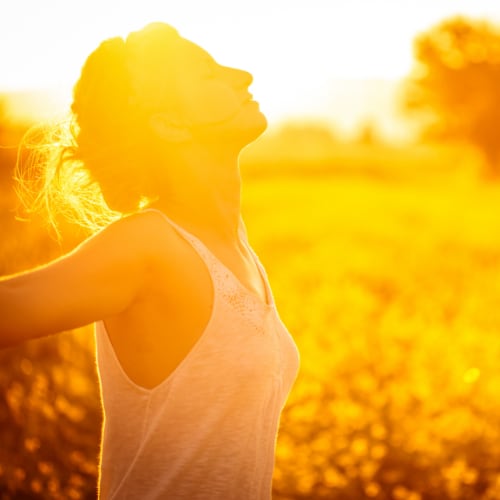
x=194 y=362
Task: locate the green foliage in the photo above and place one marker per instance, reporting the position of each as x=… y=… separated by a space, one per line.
x=454 y=87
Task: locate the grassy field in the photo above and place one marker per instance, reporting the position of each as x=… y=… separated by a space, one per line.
x=391 y=291
x=388 y=279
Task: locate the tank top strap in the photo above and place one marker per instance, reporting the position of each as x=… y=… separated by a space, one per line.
x=219 y=272
x=195 y=242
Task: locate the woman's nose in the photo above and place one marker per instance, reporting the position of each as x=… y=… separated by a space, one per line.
x=240 y=77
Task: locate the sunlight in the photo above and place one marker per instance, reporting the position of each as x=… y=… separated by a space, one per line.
x=292 y=49
x=380 y=251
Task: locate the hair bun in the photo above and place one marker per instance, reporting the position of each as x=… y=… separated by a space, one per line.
x=104 y=82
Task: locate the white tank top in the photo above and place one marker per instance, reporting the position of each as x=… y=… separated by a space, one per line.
x=208 y=431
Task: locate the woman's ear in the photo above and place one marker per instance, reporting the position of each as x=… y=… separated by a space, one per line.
x=169 y=129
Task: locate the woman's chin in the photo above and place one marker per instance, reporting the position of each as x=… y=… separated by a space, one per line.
x=255 y=127
x=236 y=133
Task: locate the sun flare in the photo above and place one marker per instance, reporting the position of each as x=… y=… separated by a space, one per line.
x=293 y=50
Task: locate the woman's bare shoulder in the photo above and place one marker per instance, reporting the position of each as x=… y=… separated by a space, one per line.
x=101 y=277
x=147 y=233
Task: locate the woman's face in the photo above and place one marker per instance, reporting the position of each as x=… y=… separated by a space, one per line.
x=212 y=101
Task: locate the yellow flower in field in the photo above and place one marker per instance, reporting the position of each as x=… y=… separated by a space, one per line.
x=334 y=479
x=471 y=375
x=372 y=489
x=359 y=447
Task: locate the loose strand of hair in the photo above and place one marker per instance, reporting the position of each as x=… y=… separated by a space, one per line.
x=52 y=182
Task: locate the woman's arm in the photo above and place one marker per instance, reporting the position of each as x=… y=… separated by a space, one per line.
x=100 y=278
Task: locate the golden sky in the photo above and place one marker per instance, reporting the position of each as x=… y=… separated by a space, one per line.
x=303 y=54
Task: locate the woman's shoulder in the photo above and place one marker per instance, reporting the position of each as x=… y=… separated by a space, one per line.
x=100 y=278
x=146 y=232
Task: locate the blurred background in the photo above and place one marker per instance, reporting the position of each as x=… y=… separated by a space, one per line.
x=373 y=200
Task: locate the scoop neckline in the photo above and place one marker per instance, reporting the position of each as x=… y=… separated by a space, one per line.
x=266 y=301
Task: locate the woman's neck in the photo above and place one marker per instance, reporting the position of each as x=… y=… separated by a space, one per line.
x=204 y=195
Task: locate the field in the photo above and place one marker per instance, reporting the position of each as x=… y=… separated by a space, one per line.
x=385 y=267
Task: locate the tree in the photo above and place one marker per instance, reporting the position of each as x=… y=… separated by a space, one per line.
x=367 y=133
x=454 y=88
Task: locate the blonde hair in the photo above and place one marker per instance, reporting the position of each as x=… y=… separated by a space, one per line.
x=92 y=167
x=51 y=183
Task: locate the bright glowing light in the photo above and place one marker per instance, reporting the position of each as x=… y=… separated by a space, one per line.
x=293 y=48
